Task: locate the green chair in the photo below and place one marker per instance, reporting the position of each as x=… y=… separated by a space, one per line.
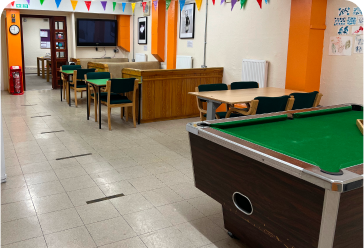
x=265 y=105
x=79 y=84
x=243 y=85
x=116 y=90
x=306 y=100
x=64 y=80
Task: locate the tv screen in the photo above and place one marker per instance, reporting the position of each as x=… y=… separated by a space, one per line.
x=96 y=32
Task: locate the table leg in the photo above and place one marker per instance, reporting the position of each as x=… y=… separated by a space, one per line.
x=38 y=69
x=69 y=91
x=43 y=69
x=211 y=109
x=140 y=97
x=99 y=103
x=47 y=72
x=61 y=88
x=87 y=92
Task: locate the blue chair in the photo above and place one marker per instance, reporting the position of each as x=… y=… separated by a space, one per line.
x=243 y=85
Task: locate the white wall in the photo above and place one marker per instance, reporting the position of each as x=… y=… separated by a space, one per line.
x=341 y=76
x=31 y=44
x=4 y=56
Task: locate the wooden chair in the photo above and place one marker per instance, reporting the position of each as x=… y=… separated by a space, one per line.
x=79 y=84
x=306 y=100
x=115 y=98
x=64 y=80
x=264 y=105
x=243 y=85
x=92 y=95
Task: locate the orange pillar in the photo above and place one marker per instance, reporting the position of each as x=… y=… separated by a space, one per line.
x=124 y=32
x=306 y=41
x=172 y=35
x=13 y=41
x=158 y=30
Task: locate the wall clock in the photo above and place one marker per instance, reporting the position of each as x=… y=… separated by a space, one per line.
x=14 y=29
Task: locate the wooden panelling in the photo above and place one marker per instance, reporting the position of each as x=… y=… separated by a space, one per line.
x=98 y=66
x=286 y=210
x=349 y=225
x=76 y=61
x=165 y=92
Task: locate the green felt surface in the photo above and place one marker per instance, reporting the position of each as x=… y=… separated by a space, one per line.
x=68 y=71
x=98 y=82
x=329 y=140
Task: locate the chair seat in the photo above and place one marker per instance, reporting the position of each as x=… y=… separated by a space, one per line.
x=115 y=99
x=81 y=86
x=223 y=114
x=103 y=94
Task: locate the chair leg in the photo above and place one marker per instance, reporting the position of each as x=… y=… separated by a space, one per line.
x=89 y=103
x=134 y=120
x=95 y=103
x=75 y=97
x=122 y=112
x=81 y=93
x=109 y=117
x=126 y=114
x=64 y=90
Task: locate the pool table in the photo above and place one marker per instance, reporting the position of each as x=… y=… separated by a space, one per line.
x=287 y=179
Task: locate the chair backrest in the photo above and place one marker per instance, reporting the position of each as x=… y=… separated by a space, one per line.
x=304 y=100
x=122 y=85
x=271 y=104
x=81 y=73
x=70 y=67
x=244 y=85
x=98 y=75
x=212 y=87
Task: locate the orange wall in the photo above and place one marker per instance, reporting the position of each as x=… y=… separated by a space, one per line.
x=124 y=32
x=306 y=40
x=172 y=35
x=158 y=30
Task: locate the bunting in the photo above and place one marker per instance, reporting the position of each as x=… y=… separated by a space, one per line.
x=58 y=2
x=182 y=3
x=41 y=2
x=233 y=2
x=88 y=5
x=222 y=1
x=123 y=5
x=168 y=2
x=133 y=6
x=266 y=1
x=103 y=3
x=28 y=1
x=144 y=4
x=155 y=3
x=113 y=6
x=213 y=2
x=74 y=4
x=198 y=3
x=242 y=3
x=13 y=2
x=260 y=3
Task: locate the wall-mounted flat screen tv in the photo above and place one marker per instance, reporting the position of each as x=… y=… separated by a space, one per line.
x=96 y=32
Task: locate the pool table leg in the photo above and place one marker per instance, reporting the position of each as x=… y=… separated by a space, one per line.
x=211 y=109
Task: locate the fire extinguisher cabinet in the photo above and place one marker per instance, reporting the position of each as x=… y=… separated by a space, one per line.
x=16 y=81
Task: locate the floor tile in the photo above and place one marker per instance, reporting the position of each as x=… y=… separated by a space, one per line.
x=97 y=167
x=146 y=183
x=97 y=211
x=172 y=178
x=59 y=220
x=187 y=190
x=75 y=183
x=128 y=243
x=52 y=203
x=105 y=177
x=34 y=158
x=133 y=172
x=122 y=187
x=161 y=196
x=14 y=195
x=19 y=230
x=226 y=243
x=166 y=238
x=30 y=243
x=131 y=203
x=64 y=173
x=180 y=212
x=14 y=182
x=65 y=163
x=57 y=154
x=36 y=167
x=206 y=205
x=17 y=210
x=110 y=231
x=45 y=189
x=71 y=238
x=14 y=171
x=40 y=177
x=80 y=197
x=122 y=163
x=158 y=168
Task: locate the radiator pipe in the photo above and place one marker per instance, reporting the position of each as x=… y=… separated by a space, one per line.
x=204 y=50
x=133 y=38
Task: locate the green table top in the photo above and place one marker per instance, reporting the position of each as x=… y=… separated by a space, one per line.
x=67 y=71
x=98 y=82
x=327 y=138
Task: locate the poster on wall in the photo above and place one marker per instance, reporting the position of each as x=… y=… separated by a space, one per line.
x=360 y=20
x=344 y=11
x=340 y=45
x=146 y=11
x=357 y=30
x=357 y=11
x=343 y=30
x=187 y=22
x=351 y=21
x=358 y=45
x=143 y=25
x=340 y=21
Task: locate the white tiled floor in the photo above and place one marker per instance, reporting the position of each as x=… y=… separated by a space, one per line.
x=44 y=199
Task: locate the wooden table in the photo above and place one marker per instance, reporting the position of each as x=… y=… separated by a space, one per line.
x=49 y=65
x=38 y=68
x=67 y=74
x=215 y=98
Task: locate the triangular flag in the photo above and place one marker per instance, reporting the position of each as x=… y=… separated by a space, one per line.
x=233 y=2
x=181 y=4
x=123 y=5
x=103 y=3
x=260 y=3
x=133 y=6
x=155 y=3
x=144 y=4
x=242 y=3
x=88 y=5
x=222 y=1
x=13 y=2
x=266 y=1
x=198 y=3
x=168 y=2
x=74 y=4
x=58 y=2
x=213 y=2
x=28 y=1
x=41 y=2
x=113 y=6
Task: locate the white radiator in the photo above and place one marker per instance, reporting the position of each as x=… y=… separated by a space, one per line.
x=255 y=70
x=184 y=62
x=140 y=57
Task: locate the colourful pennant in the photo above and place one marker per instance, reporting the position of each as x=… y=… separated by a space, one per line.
x=41 y=2
x=103 y=3
x=13 y=2
x=168 y=2
x=266 y=1
x=260 y=3
x=113 y=6
x=242 y=3
x=74 y=4
x=182 y=3
x=58 y=2
x=123 y=5
x=222 y=1
x=144 y=4
x=155 y=3
x=198 y=3
x=213 y=2
x=88 y=5
x=28 y=1
x=233 y=2
x=133 y=6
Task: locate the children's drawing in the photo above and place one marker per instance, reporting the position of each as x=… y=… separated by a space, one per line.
x=340 y=45
x=344 y=11
x=357 y=30
x=343 y=30
x=357 y=11
x=359 y=20
x=351 y=21
x=340 y=21
x=358 y=46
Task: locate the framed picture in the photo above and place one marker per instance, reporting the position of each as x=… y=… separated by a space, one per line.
x=146 y=11
x=187 y=22
x=143 y=26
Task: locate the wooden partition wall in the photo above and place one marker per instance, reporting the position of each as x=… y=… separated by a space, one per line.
x=164 y=93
